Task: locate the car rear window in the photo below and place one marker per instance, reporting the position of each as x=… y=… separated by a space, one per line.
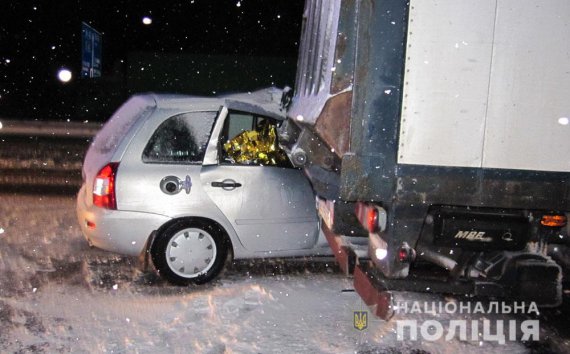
x=180 y=139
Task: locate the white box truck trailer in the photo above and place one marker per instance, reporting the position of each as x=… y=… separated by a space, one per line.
x=439 y=129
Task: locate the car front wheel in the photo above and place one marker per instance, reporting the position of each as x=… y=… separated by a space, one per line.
x=190 y=251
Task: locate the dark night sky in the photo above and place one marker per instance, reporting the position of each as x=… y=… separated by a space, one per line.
x=39 y=37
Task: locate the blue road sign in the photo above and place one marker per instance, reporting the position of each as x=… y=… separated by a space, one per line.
x=91 y=45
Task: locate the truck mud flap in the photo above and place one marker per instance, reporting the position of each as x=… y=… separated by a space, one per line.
x=344 y=255
x=378 y=299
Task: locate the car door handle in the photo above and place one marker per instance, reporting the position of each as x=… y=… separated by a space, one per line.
x=227 y=184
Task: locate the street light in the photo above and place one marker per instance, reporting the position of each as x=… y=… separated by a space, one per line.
x=64 y=75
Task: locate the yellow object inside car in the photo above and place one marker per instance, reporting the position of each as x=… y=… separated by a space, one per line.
x=256 y=147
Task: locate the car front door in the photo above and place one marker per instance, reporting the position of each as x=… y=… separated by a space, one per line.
x=270 y=204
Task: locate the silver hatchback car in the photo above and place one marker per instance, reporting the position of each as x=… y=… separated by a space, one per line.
x=158 y=180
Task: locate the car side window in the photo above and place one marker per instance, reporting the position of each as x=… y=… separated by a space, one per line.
x=249 y=139
x=180 y=139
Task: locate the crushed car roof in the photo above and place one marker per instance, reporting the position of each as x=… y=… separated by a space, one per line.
x=266 y=102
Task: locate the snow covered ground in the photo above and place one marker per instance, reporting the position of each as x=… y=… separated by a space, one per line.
x=58 y=295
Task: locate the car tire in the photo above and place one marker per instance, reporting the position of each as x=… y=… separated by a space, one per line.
x=190 y=251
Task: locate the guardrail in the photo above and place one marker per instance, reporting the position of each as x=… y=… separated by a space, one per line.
x=48 y=128
x=43 y=156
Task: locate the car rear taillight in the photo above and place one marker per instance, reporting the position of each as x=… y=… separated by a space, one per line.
x=104 y=187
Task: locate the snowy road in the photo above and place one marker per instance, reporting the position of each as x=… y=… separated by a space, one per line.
x=58 y=295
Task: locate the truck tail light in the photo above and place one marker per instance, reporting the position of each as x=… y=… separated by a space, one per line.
x=406 y=254
x=372 y=217
x=372 y=220
x=553 y=220
x=104 y=187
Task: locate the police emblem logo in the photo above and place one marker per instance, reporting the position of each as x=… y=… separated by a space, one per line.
x=360 y=320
